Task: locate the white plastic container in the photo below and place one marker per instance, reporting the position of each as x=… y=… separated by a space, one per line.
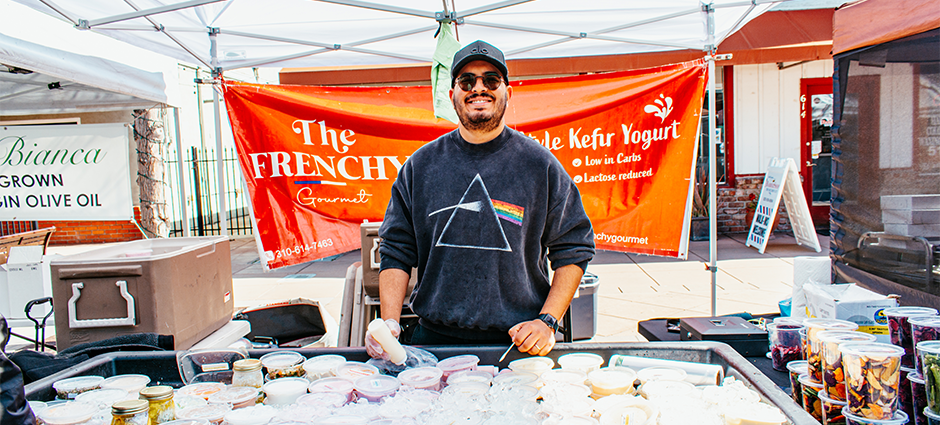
x=283 y=364
x=238 y=397
x=584 y=362
x=754 y=414
x=638 y=412
x=323 y=399
x=322 y=366
x=535 y=365
x=455 y=364
x=103 y=397
x=469 y=376
x=568 y=376
x=332 y=385
x=132 y=383
x=664 y=388
x=68 y=389
x=214 y=413
x=352 y=371
x=516 y=378
x=254 y=415
x=661 y=373
x=71 y=413
x=612 y=380
x=201 y=389
x=422 y=378
x=377 y=387
x=284 y=391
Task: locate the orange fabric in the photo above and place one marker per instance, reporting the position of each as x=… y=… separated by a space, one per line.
x=319 y=160
x=870 y=22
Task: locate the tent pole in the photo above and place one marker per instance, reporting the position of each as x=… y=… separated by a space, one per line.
x=712 y=154
x=220 y=165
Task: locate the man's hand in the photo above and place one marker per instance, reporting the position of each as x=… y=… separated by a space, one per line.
x=374 y=348
x=533 y=337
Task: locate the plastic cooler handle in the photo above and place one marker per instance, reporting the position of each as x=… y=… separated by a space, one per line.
x=130 y=320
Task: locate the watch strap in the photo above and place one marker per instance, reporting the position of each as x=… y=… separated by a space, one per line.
x=549 y=320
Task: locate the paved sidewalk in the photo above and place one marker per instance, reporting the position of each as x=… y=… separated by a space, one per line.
x=632 y=287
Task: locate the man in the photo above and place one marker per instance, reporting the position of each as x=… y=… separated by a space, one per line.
x=481 y=211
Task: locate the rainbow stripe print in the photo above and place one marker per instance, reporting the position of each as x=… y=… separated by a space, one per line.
x=508 y=212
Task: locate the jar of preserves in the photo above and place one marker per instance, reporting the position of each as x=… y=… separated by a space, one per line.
x=247 y=373
x=130 y=412
x=162 y=407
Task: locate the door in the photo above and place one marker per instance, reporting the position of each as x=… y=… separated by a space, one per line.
x=816 y=152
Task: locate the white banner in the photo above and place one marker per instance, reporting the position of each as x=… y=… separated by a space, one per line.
x=65 y=172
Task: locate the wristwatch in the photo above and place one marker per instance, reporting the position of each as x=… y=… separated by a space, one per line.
x=549 y=320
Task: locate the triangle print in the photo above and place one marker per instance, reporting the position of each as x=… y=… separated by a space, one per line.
x=473 y=222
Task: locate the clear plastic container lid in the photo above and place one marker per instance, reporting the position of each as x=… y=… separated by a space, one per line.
x=71 y=387
x=931 y=321
x=36 y=406
x=585 y=362
x=209 y=412
x=323 y=365
x=285 y=385
x=281 y=360
x=798 y=367
x=931 y=414
x=515 y=378
x=103 y=398
x=872 y=350
x=535 y=365
x=614 y=376
x=324 y=399
x=234 y=395
x=73 y=412
x=932 y=347
x=570 y=376
x=355 y=370
x=342 y=420
x=467 y=389
x=467 y=376
x=187 y=422
x=807 y=381
x=824 y=396
x=660 y=388
x=420 y=377
x=817 y=323
x=899 y=418
x=661 y=373
x=916 y=378
x=131 y=383
x=456 y=363
x=201 y=389
x=332 y=385
x=183 y=401
x=377 y=385
x=910 y=311
x=254 y=415
x=845 y=336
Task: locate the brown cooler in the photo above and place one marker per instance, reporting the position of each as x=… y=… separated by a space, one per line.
x=176 y=286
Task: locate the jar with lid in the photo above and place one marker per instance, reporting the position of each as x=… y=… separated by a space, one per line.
x=162 y=407
x=130 y=412
x=247 y=373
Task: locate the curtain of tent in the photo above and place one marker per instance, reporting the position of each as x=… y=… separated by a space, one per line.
x=886 y=150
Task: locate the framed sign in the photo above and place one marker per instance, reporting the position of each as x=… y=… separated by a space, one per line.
x=65 y=172
x=782 y=181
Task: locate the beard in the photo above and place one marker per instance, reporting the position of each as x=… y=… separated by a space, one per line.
x=476 y=121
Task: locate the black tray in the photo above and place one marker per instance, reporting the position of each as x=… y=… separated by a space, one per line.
x=162 y=369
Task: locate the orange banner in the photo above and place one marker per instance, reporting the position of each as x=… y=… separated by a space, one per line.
x=318 y=161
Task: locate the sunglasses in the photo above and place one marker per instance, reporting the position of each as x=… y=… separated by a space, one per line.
x=491 y=80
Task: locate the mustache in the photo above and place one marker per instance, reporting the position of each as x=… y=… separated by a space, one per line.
x=474 y=96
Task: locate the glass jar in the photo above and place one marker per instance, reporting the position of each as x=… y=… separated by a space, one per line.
x=130 y=412
x=162 y=407
x=247 y=373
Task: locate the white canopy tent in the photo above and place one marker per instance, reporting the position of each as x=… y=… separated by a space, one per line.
x=230 y=34
x=43 y=80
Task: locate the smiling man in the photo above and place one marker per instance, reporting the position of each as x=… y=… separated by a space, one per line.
x=482 y=212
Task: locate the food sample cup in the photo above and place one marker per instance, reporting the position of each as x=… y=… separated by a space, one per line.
x=612 y=380
x=899 y=328
x=284 y=391
x=457 y=364
x=351 y=371
x=785 y=345
x=918 y=398
x=813 y=347
x=467 y=376
x=238 y=397
x=831 y=410
x=283 y=364
x=929 y=352
x=422 y=378
x=322 y=366
x=811 y=402
x=831 y=359
x=131 y=383
x=899 y=418
x=513 y=379
x=332 y=385
x=69 y=388
x=103 y=397
x=72 y=412
x=535 y=365
x=584 y=362
x=661 y=373
x=796 y=369
x=377 y=387
x=214 y=413
x=923 y=329
x=201 y=389
x=670 y=389
x=872 y=372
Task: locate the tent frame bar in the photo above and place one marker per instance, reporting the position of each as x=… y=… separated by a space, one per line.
x=381 y=7
x=89 y=24
x=490 y=8
x=576 y=36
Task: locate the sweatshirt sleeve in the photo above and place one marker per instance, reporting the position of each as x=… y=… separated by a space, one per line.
x=569 y=235
x=398 y=248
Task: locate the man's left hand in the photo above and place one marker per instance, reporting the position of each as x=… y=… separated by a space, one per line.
x=533 y=337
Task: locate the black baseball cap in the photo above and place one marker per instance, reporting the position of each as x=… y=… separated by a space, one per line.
x=478 y=50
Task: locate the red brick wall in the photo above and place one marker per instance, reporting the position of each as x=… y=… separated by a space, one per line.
x=86 y=232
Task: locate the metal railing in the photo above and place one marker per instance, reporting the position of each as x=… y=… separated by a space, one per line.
x=202 y=199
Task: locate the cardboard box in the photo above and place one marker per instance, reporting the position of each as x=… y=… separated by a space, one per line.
x=853 y=303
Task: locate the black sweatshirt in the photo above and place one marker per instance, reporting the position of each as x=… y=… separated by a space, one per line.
x=480 y=223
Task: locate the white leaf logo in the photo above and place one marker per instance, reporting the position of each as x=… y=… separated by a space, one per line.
x=663 y=110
